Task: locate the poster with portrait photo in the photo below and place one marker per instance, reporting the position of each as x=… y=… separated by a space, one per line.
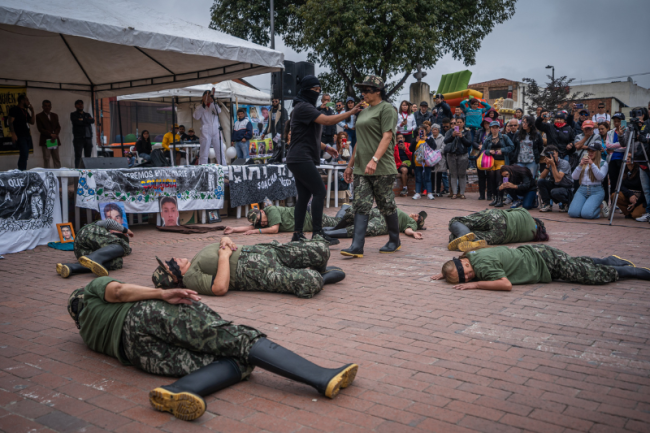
x=114 y=211
x=169 y=214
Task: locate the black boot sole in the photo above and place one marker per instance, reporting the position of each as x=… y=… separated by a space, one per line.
x=183 y=405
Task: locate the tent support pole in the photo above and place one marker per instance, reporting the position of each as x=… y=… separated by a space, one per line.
x=173 y=123
x=119 y=119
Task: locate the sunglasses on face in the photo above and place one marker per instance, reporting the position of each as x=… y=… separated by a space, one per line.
x=367 y=89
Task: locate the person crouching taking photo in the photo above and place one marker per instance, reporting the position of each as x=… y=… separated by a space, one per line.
x=518 y=183
x=587 y=202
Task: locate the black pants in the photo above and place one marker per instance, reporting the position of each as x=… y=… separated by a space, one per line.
x=549 y=191
x=482 y=183
x=612 y=174
x=308 y=184
x=494 y=180
x=81 y=146
x=24 y=145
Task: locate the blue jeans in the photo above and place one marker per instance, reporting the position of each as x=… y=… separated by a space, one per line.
x=528 y=200
x=586 y=202
x=242 y=149
x=352 y=137
x=145 y=156
x=423 y=175
x=532 y=166
x=645 y=184
x=445 y=181
x=24 y=145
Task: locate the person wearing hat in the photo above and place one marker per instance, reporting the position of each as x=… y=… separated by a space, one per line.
x=304 y=155
x=99 y=247
x=500 y=268
x=277 y=219
x=423 y=114
x=191 y=136
x=168 y=141
x=583 y=114
x=558 y=133
x=171 y=333
x=408 y=224
x=500 y=147
x=588 y=199
x=442 y=110
x=373 y=166
x=494 y=227
x=298 y=268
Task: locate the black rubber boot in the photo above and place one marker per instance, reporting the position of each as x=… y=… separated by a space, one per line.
x=612 y=261
x=499 y=202
x=298 y=237
x=341 y=213
x=331 y=268
x=494 y=201
x=276 y=359
x=332 y=276
x=330 y=240
x=340 y=233
x=393 y=244
x=67 y=269
x=358 y=237
x=97 y=260
x=183 y=398
x=631 y=272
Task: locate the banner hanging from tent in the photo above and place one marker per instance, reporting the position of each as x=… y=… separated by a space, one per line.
x=8 y=99
x=195 y=187
x=253 y=183
x=29 y=210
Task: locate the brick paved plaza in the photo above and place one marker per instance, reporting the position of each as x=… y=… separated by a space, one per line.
x=542 y=358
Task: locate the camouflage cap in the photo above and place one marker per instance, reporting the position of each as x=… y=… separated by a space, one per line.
x=254 y=217
x=372 y=81
x=162 y=278
x=75 y=305
x=423 y=216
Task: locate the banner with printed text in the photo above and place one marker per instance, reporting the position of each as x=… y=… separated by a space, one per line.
x=8 y=99
x=195 y=187
x=29 y=210
x=253 y=183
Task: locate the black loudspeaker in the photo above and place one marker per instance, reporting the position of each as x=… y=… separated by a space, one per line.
x=93 y=163
x=289 y=80
x=303 y=69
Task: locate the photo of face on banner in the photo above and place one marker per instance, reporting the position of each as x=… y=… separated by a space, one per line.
x=114 y=211
x=169 y=215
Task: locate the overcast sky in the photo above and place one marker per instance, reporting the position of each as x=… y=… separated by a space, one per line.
x=584 y=39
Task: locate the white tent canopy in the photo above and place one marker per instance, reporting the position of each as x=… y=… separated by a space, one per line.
x=239 y=93
x=118 y=48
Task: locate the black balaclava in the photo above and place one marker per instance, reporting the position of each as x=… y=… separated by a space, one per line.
x=306 y=94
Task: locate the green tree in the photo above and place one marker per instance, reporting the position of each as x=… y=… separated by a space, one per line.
x=387 y=38
x=556 y=94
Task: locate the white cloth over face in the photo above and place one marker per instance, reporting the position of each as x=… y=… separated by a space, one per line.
x=210 y=133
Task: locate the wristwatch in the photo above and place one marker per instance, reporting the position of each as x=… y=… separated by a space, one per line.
x=374 y=158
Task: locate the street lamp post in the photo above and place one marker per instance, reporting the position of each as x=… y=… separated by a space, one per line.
x=552 y=72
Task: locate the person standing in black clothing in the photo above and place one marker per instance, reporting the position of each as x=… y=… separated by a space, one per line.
x=303 y=155
x=442 y=110
x=329 y=131
x=20 y=117
x=82 y=132
x=423 y=114
x=559 y=133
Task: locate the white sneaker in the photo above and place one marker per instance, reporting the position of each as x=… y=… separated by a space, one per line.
x=430 y=196
x=508 y=200
x=416 y=196
x=644 y=218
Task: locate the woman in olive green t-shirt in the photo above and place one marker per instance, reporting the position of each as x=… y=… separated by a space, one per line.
x=374 y=167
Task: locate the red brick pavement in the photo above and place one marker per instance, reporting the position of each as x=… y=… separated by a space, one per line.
x=542 y=358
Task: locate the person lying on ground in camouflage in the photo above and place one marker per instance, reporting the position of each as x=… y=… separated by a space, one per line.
x=494 y=227
x=99 y=247
x=275 y=219
x=171 y=333
x=408 y=224
x=499 y=268
x=298 y=268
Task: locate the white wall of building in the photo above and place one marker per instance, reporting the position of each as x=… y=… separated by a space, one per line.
x=628 y=92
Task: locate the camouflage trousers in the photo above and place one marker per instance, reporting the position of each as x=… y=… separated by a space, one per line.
x=175 y=340
x=293 y=268
x=369 y=188
x=329 y=221
x=488 y=225
x=91 y=237
x=376 y=224
x=581 y=270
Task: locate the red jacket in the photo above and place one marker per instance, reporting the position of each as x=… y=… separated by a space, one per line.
x=398 y=161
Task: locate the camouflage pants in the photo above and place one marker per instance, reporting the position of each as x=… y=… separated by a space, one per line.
x=376 y=224
x=92 y=237
x=329 y=221
x=489 y=225
x=581 y=270
x=175 y=340
x=293 y=268
x=369 y=188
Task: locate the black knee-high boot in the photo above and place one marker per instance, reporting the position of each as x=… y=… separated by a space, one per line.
x=358 y=237
x=97 y=260
x=276 y=359
x=341 y=233
x=612 y=261
x=67 y=269
x=183 y=398
x=632 y=272
x=393 y=244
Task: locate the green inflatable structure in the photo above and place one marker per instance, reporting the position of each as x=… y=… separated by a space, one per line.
x=454 y=82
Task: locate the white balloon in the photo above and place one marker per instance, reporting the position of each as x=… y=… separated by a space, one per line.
x=231 y=153
x=211 y=156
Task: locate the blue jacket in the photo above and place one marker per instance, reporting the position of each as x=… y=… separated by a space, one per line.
x=473 y=118
x=507 y=146
x=242 y=129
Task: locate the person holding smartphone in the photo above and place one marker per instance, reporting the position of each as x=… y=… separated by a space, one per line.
x=422 y=173
x=590 y=173
x=457 y=141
